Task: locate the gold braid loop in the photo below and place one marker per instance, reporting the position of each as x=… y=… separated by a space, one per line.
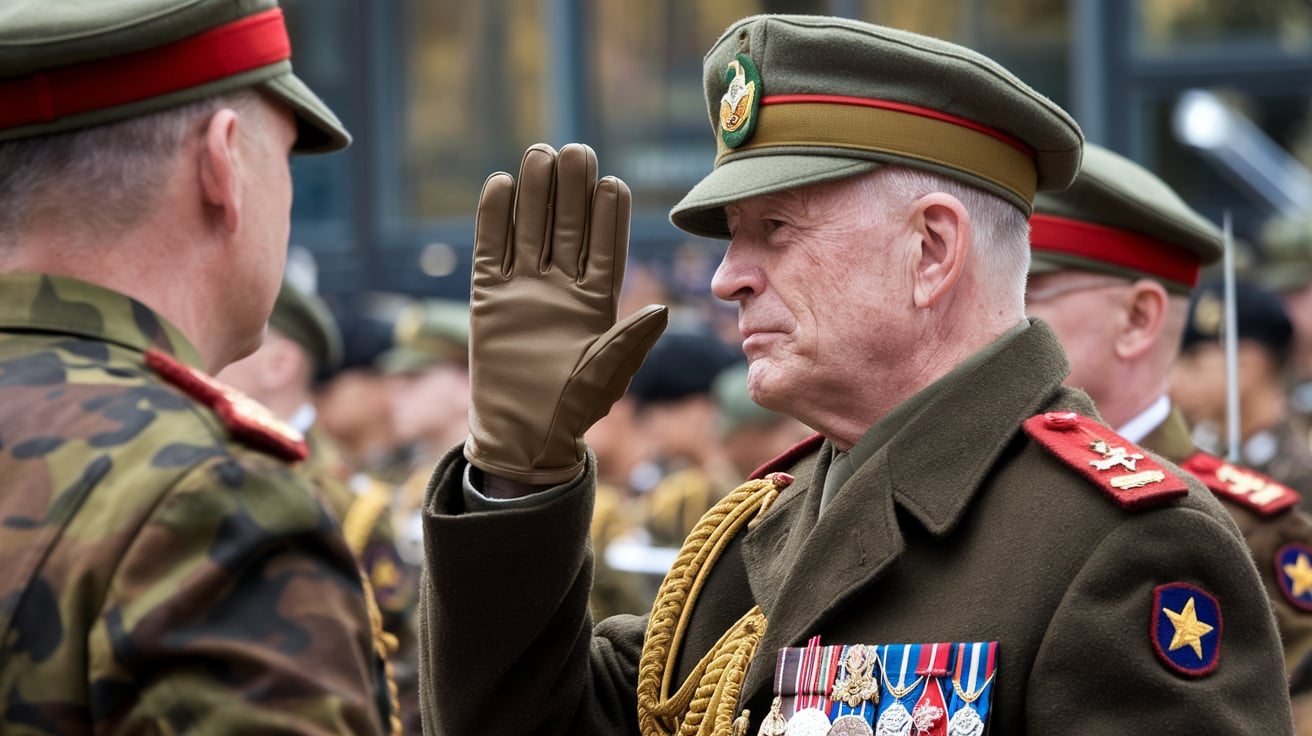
x=715 y=684
x=384 y=645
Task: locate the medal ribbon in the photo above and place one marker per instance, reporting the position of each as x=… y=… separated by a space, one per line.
x=972 y=682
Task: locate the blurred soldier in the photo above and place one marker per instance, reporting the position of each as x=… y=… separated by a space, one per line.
x=1115 y=257
x=354 y=404
x=429 y=398
x=1269 y=442
x=681 y=419
x=964 y=547
x=750 y=435
x=166 y=570
x=1287 y=271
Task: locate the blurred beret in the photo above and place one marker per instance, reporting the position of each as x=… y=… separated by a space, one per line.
x=428 y=333
x=797 y=100
x=681 y=364
x=69 y=65
x=1259 y=316
x=1287 y=245
x=737 y=410
x=1119 y=218
x=304 y=319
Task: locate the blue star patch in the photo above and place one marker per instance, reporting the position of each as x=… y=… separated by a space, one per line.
x=1294 y=571
x=1186 y=628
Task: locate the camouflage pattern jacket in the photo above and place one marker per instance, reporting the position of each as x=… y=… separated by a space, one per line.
x=158 y=575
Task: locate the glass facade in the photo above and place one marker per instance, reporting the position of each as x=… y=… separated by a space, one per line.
x=440 y=93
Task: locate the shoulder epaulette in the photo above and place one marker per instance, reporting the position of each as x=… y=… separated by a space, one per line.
x=1123 y=471
x=1248 y=488
x=789 y=457
x=249 y=421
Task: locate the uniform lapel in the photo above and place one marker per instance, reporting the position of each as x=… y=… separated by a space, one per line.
x=803 y=569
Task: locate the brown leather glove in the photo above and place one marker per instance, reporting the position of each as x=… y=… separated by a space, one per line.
x=547 y=358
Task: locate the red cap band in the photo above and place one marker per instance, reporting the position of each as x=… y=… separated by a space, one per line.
x=249 y=43
x=923 y=112
x=1116 y=247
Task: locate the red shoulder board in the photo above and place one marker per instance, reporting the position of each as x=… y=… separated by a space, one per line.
x=1245 y=487
x=788 y=457
x=247 y=419
x=1124 y=472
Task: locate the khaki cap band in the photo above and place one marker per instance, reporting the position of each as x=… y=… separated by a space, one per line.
x=250 y=43
x=1116 y=247
x=904 y=131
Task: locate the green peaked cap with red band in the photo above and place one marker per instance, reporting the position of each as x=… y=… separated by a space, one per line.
x=1121 y=219
x=832 y=98
x=71 y=65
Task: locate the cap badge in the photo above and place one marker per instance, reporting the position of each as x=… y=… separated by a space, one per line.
x=1209 y=312
x=739 y=104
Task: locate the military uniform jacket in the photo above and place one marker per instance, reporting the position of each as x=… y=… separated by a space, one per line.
x=1273 y=537
x=158 y=576
x=961 y=528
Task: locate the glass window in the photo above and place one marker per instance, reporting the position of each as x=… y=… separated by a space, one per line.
x=1167 y=26
x=474 y=98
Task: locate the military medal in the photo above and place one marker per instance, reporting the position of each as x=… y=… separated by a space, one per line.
x=972 y=681
x=928 y=718
x=894 y=718
x=858 y=685
x=850 y=726
x=774 y=724
x=808 y=722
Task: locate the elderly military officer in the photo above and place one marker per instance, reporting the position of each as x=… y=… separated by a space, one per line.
x=964 y=547
x=1114 y=259
x=165 y=570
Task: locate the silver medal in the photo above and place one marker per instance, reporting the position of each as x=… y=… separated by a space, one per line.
x=895 y=721
x=965 y=722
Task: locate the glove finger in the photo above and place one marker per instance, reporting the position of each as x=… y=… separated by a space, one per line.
x=533 y=205
x=492 y=229
x=604 y=372
x=576 y=175
x=608 y=241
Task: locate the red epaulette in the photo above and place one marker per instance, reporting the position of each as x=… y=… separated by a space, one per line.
x=1248 y=488
x=1124 y=472
x=789 y=457
x=248 y=420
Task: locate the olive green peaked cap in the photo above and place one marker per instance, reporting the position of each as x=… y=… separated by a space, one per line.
x=1287 y=244
x=1119 y=218
x=797 y=100
x=306 y=321
x=428 y=333
x=70 y=64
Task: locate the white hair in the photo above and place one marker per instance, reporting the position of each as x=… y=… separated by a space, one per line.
x=100 y=179
x=1000 y=231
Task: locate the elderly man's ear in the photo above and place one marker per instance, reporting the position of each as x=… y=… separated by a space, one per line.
x=1141 y=319
x=943 y=229
x=220 y=184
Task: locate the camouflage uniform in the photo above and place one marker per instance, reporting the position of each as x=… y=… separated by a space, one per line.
x=161 y=576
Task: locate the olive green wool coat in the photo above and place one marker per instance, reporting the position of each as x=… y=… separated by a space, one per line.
x=960 y=528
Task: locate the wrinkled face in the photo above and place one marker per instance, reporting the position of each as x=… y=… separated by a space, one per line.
x=822 y=279
x=1085 y=310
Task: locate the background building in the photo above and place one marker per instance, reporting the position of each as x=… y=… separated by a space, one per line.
x=440 y=93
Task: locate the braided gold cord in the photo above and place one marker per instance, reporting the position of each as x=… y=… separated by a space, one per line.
x=715 y=684
x=384 y=644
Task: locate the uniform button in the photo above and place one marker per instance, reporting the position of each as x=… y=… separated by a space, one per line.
x=1061 y=420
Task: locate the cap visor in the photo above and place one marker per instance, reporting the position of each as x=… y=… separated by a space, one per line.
x=319 y=130
x=701 y=211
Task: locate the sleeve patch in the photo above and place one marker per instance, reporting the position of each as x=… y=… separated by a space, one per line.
x=249 y=421
x=1122 y=470
x=1294 y=571
x=1186 y=629
x=1245 y=487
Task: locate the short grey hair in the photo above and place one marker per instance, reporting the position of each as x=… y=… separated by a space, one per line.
x=103 y=179
x=1000 y=231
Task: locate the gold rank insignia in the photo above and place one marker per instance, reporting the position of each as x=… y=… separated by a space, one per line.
x=1249 y=488
x=246 y=419
x=1123 y=471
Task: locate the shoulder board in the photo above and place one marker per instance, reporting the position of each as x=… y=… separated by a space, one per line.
x=247 y=420
x=789 y=457
x=1248 y=488
x=1123 y=471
